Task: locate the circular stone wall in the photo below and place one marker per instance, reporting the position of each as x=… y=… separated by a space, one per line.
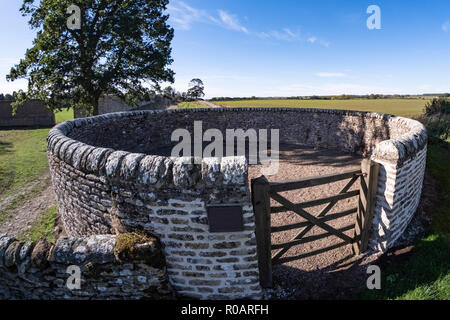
x=108 y=178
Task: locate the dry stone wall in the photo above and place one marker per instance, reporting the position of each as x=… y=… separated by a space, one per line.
x=108 y=180
x=39 y=270
x=32 y=113
x=111 y=103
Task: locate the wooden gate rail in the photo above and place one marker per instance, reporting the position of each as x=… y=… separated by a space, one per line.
x=310 y=238
x=307 y=223
x=263 y=191
x=277 y=255
x=312 y=181
x=310 y=217
x=313 y=203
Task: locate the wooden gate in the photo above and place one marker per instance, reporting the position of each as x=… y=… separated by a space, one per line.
x=263 y=191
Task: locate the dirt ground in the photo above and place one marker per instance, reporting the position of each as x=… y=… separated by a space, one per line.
x=23 y=217
x=335 y=274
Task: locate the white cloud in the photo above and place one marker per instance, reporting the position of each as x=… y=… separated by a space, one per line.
x=324 y=43
x=446 y=26
x=330 y=74
x=183 y=16
x=231 y=22
x=285 y=35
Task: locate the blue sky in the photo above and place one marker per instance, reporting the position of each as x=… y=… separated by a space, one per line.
x=287 y=47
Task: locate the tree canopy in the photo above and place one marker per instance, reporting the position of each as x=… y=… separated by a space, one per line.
x=196 y=89
x=119 y=46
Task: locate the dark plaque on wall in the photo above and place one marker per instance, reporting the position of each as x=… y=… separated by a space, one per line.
x=225 y=218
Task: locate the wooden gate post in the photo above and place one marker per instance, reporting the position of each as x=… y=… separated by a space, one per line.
x=261 y=207
x=366 y=204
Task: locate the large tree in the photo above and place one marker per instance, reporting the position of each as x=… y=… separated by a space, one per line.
x=196 y=89
x=119 y=47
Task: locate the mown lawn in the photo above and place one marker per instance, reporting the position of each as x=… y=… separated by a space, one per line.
x=189 y=105
x=399 y=107
x=64 y=115
x=23 y=158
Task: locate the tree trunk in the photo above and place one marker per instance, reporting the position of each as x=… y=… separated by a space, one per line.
x=95 y=106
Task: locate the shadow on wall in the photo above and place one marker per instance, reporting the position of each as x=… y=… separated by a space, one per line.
x=360 y=133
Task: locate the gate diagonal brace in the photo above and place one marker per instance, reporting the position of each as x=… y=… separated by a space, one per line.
x=302 y=233
x=311 y=218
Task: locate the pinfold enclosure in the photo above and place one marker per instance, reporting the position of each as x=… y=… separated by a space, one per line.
x=110 y=179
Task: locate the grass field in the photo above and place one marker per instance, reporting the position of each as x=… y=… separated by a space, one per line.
x=190 y=105
x=64 y=115
x=399 y=107
x=23 y=158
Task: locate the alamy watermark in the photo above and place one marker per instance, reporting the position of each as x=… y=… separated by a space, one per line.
x=374 y=21
x=235 y=140
x=74 y=21
x=374 y=280
x=74 y=280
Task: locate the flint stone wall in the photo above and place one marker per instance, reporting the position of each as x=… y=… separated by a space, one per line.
x=38 y=270
x=106 y=179
x=32 y=113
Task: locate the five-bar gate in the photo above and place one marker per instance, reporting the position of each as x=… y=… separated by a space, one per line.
x=263 y=191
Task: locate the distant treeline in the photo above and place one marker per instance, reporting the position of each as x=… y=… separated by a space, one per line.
x=7 y=97
x=339 y=97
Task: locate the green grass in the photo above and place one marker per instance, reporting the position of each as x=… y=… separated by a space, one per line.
x=438 y=161
x=188 y=105
x=399 y=107
x=64 y=115
x=42 y=227
x=23 y=158
x=426 y=274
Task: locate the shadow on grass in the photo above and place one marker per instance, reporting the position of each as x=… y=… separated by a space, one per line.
x=419 y=276
x=5 y=147
x=6 y=128
x=426 y=274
